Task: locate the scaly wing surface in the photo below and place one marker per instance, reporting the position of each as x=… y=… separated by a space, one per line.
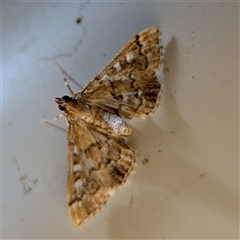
x=97 y=162
x=128 y=83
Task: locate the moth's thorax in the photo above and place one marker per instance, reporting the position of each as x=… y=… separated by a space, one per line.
x=79 y=110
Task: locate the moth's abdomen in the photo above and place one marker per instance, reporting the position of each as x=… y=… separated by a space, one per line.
x=103 y=119
x=115 y=123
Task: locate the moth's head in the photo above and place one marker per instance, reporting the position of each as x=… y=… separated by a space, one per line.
x=64 y=102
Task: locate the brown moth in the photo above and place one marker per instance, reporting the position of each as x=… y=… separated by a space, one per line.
x=98 y=158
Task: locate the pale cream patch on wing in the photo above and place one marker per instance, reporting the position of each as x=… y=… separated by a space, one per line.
x=117 y=66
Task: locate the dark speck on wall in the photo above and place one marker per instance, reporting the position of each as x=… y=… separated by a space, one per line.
x=79 y=20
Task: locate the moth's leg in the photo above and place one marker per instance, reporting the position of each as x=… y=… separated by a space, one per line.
x=69 y=77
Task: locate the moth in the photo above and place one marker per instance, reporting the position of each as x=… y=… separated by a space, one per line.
x=99 y=160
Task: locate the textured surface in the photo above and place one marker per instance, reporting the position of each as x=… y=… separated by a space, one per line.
x=185 y=183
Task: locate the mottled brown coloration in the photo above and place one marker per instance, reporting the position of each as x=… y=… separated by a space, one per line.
x=98 y=158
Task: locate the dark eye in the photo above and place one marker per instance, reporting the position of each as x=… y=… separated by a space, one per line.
x=62 y=108
x=66 y=99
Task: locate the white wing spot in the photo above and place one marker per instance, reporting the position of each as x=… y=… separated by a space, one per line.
x=136 y=101
x=125 y=97
x=130 y=56
x=117 y=66
x=77 y=168
x=88 y=162
x=78 y=184
x=75 y=149
x=105 y=77
x=140 y=92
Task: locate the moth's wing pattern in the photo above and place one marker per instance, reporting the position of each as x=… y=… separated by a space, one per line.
x=128 y=83
x=98 y=158
x=97 y=162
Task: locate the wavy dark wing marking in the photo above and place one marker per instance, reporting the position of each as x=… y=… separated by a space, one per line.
x=128 y=83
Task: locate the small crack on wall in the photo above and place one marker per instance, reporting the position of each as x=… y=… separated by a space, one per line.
x=61 y=55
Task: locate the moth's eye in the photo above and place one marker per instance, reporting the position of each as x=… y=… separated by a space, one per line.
x=66 y=98
x=62 y=108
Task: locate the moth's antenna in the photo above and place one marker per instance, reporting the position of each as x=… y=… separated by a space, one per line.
x=54 y=119
x=53 y=125
x=67 y=76
x=68 y=86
